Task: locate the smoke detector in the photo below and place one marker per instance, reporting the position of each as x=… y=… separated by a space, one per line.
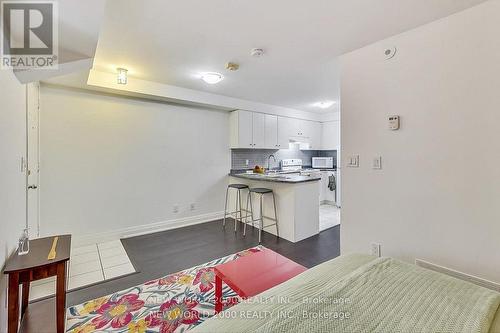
x=257 y=52
x=231 y=66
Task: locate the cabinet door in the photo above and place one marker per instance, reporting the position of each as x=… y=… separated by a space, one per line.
x=271 y=132
x=258 y=130
x=245 y=131
x=285 y=131
x=314 y=133
x=302 y=128
x=331 y=135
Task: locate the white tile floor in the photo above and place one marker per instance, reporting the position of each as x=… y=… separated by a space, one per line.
x=89 y=264
x=329 y=216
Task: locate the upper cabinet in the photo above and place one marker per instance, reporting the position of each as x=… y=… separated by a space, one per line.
x=255 y=130
x=311 y=132
x=272 y=137
x=258 y=130
x=331 y=135
x=286 y=130
x=247 y=129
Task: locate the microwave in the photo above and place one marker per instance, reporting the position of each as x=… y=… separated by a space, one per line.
x=322 y=162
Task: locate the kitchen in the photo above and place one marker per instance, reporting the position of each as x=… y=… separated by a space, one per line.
x=298 y=160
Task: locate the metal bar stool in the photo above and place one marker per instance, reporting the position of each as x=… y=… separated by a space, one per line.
x=238 y=206
x=262 y=192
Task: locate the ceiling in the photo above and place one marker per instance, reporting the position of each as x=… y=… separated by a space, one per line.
x=171 y=42
x=79 y=26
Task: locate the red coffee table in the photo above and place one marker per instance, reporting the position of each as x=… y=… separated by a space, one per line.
x=250 y=275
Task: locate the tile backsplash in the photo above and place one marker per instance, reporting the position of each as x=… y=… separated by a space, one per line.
x=259 y=157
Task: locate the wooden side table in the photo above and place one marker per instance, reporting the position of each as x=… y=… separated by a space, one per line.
x=35 y=266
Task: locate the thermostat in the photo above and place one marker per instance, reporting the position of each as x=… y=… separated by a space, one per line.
x=393 y=123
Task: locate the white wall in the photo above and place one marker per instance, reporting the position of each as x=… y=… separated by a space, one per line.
x=438 y=196
x=112 y=165
x=12 y=180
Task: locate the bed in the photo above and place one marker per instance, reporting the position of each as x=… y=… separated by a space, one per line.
x=360 y=293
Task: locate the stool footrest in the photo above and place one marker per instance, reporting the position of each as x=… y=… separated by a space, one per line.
x=265 y=226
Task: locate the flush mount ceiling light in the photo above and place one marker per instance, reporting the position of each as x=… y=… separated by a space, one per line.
x=212 y=77
x=257 y=52
x=122 y=75
x=324 y=104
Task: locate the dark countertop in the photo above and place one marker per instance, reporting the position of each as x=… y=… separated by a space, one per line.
x=279 y=178
x=37 y=256
x=305 y=168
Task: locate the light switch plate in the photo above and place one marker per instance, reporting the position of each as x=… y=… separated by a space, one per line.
x=377 y=163
x=353 y=161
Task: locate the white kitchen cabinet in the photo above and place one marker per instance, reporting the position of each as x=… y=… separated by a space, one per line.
x=316 y=136
x=285 y=131
x=247 y=129
x=311 y=133
x=265 y=131
x=271 y=132
x=258 y=130
x=293 y=128
x=331 y=135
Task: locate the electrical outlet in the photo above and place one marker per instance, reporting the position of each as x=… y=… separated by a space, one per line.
x=394 y=123
x=192 y=206
x=175 y=209
x=376 y=249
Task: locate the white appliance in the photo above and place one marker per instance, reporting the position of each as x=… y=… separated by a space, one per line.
x=327 y=194
x=291 y=165
x=322 y=162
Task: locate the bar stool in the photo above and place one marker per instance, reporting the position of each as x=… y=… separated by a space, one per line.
x=262 y=192
x=238 y=206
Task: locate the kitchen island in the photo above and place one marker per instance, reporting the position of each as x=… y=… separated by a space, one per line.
x=297 y=202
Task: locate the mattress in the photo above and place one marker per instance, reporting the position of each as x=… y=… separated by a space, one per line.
x=408 y=296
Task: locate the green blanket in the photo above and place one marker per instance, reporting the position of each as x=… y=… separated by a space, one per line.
x=380 y=295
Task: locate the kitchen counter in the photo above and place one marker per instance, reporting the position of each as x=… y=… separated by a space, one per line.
x=297 y=202
x=278 y=178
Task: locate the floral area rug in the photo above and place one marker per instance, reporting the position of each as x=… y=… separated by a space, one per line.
x=174 y=303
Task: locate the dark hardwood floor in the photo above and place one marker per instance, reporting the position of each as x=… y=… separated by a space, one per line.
x=159 y=254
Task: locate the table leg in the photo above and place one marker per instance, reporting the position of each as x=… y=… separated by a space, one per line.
x=218 y=294
x=61 y=297
x=13 y=302
x=26 y=297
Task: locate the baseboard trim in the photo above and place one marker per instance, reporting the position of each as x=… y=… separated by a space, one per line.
x=459 y=275
x=87 y=239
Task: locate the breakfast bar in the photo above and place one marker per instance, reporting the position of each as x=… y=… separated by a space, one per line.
x=297 y=202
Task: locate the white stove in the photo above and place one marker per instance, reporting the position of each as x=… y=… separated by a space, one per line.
x=293 y=165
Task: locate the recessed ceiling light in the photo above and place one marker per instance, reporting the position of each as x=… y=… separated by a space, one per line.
x=324 y=104
x=122 y=75
x=212 y=77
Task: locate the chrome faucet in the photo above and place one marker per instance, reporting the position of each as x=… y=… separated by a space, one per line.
x=269 y=161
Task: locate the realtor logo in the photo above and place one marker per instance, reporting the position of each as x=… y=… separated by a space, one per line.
x=29 y=35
